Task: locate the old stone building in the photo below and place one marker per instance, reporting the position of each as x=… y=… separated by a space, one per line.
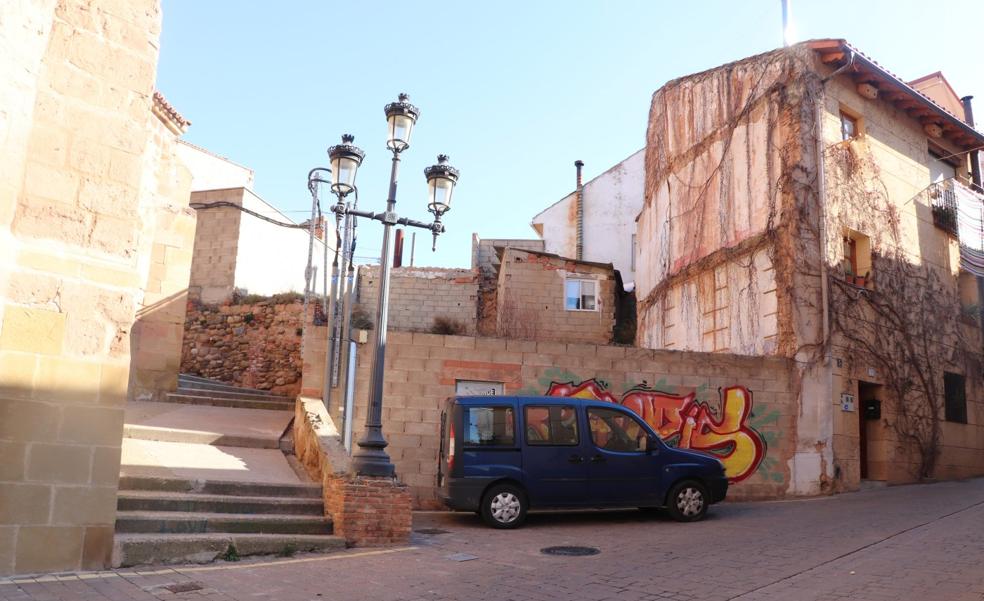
x=93 y=217
x=807 y=203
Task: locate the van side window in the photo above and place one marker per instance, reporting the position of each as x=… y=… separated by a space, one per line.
x=615 y=431
x=489 y=426
x=552 y=425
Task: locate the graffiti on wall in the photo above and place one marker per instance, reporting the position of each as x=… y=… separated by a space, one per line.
x=687 y=423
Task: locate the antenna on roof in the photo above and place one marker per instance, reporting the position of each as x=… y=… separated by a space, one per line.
x=788 y=31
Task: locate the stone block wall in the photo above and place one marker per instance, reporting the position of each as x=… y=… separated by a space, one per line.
x=213 y=268
x=747 y=402
x=252 y=345
x=530 y=299
x=418 y=295
x=77 y=197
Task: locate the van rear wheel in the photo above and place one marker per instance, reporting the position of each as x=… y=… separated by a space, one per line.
x=504 y=506
x=687 y=501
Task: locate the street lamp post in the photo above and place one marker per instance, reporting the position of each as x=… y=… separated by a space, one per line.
x=371 y=459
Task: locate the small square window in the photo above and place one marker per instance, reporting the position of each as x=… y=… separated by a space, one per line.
x=955 y=397
x=849 y=126
x=580 y=295
x=489 y=426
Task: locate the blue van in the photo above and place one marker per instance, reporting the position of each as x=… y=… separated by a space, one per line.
x=500 y=456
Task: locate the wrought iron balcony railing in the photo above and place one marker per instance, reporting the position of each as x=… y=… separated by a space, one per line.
x=959 y=211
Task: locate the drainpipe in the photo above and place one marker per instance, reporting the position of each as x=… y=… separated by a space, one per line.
x=579 y=251
x=975 y=159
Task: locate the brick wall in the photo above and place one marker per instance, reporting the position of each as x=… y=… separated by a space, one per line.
x=530 y=299
x=422 y=370
x=485 y=262
x=254 y=345
x=420 y=294
x=78 y=190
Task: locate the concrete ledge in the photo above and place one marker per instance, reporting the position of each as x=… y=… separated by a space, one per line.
x=317 y=442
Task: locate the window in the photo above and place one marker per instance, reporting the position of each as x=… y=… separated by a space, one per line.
x=553 y=425
x=615 y=431
x=850 y=125
x=955 y=395
x=857 y=259
x=489 y=426
x=580 y=295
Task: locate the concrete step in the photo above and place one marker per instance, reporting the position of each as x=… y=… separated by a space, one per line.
x=169 y=522
x=196 y=399
x=229 y=394
x=205 y=383
x=195 y=437
x=143 y=549
x=219 y=487
x=153 y=500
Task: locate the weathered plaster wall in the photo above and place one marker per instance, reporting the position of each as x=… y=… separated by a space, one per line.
x=485 y=262
x=212 y=172
x=759 y=421
x=234 y=249
x=531 y=296
x=612 y=201
x=419 y=295
x=75 y=87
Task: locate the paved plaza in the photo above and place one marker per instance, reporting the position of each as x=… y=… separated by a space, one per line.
x=910 y=542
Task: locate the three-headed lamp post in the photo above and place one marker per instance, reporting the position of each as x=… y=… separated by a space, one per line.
x=371 y=458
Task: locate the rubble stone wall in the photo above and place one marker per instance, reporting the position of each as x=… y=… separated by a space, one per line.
x=251 y=345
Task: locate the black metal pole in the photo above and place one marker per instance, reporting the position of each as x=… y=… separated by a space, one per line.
x=372 y=459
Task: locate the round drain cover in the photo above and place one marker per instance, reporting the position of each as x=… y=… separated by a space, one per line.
x=570 y=551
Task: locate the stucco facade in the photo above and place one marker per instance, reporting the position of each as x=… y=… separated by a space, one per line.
x=769 y=231
x=612 y=201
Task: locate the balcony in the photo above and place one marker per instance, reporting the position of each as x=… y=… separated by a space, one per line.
x=959 y=211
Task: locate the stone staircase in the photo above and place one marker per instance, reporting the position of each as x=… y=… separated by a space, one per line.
x=203 y=478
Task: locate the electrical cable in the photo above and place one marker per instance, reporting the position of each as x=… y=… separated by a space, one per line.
x=226 y=204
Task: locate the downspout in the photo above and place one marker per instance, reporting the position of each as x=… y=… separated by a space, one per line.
x=579 y=195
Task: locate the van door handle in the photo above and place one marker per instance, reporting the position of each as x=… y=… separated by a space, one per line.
x=575 y=459
x=598 y=459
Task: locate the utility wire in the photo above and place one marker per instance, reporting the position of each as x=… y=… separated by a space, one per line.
x=222 y=204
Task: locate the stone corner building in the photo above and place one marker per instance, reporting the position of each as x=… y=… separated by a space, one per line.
x=806 y=203
x=94 y=236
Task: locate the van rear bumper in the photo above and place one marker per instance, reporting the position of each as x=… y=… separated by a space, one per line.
x=464 y=494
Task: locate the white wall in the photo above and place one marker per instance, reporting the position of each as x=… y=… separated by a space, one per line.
x=611 y=203
x=271 y=258
x=212 y=172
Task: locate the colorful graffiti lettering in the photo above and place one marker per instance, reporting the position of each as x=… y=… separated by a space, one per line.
x=688 y=422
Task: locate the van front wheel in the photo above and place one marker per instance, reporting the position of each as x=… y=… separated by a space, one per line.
x=687 y=501
x=504 y=506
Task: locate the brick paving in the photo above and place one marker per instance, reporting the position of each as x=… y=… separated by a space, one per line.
x=913 y=542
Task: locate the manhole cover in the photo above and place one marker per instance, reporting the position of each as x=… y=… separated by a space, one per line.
x=184 y=587
x=431 y=531
x=570 y=551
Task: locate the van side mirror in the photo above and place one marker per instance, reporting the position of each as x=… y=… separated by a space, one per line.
x=652 y=446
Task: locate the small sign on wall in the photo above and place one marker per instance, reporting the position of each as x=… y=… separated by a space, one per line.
x=478 y=388
x=847 y=402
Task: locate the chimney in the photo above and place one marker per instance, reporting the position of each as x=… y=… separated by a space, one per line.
x=579 y=199
x=975 y=159
x=398 y=249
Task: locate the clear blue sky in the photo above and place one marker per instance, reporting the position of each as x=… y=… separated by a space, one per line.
x=513 y=91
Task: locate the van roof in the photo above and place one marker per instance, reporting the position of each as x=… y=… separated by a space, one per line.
x=523 y=400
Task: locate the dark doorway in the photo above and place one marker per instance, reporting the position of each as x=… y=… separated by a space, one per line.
x=869 y=411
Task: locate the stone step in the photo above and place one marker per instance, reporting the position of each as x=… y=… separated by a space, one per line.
x=230 y=394
x=205 y=383
x=143 y=549
x=195 y=399
x=168 y=522
x=153 y=500
x=164 y=434
x=220 y=487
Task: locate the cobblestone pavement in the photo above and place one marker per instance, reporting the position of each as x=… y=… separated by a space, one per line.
x=912 y=542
